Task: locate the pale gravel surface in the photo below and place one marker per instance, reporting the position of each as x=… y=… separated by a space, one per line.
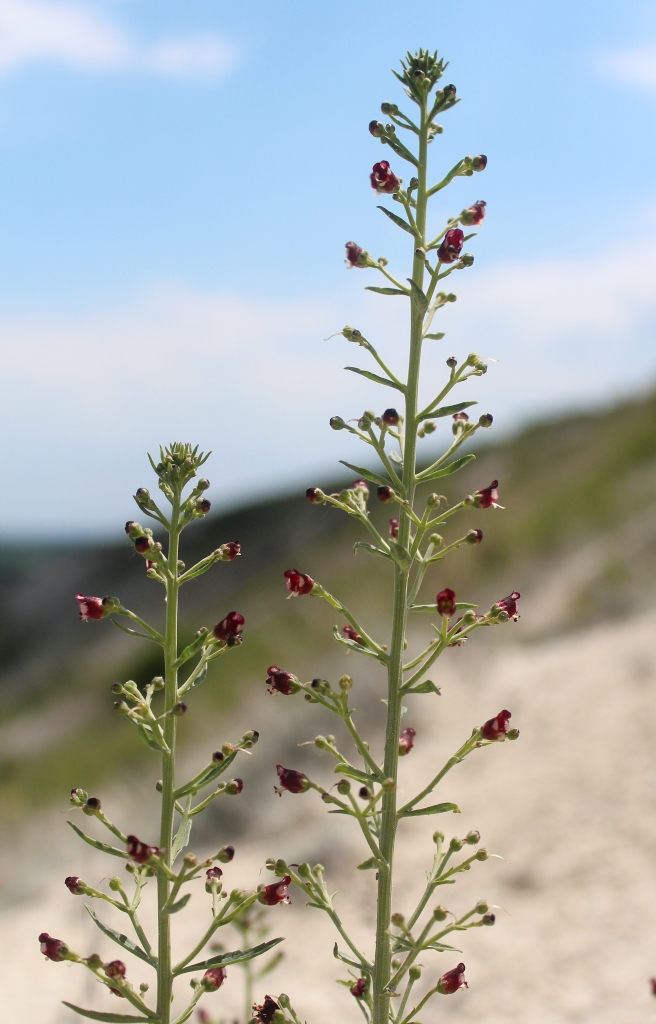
x=571 y=807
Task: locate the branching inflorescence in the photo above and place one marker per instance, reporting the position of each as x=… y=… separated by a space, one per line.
x=382 y=980
x=155 y=712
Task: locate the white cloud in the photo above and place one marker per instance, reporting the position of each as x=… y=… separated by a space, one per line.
x=77 y=35
x=85 y=396
x=635 y=65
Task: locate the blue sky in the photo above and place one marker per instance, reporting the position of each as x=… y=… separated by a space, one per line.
x=177 y=182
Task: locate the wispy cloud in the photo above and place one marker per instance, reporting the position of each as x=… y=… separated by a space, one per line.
x=635 y=65
x=77 y=35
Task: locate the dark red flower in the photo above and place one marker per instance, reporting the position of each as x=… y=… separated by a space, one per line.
x=128 y=526
x=203 y=1016
x=314 y=495
x=509 y=605
x=487 y=497
x=383 y=178
x=75 y=885
x=352 y=634
x=291 y=780
x=281 y=682
x=390 y=417
x=460 y=417
x=479 y=163
x=150 y=564
x=360 y=485
x=652 y=982
x=92 y=607
x=406 y=741
x=376 y=129
x=226 y=854
x=298 y=582
x=138 y=851
x=277 y=892
x=214 y=978
x=264 y=1013
x=384 y=493
x=203 y=505
x=143 y=544
x=453 y=241
x=394 y=528
x=229 y=629
x=474 y=536
x=234 y=787
x=473 y=215
x=452 y=981
x=54 y=949
x=496 y=727
x=230 y=550
x=115 y=969
x=355 y=256
x=446 y=602
x=359 y=990
x=213 y=875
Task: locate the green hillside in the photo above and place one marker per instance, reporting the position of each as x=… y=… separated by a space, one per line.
x=577 y=539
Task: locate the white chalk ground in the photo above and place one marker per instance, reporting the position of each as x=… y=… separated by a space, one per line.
x=571 y=807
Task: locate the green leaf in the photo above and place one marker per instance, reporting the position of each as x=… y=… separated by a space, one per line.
x=437 y=337
x=111 y=1018
x=371 y=548
x=174 y=907
x=353 y=773
x=351 y=644
x=367 y=474
x=236 y=957
x=428 y=686
x=433 y=809
x=149 y=739
x=399 y=221
x=387 y=291
x=418 y=297
x=117 y=937
x=448 y=410
x=211 y=774
x=97 y=845
x=367 y=865
x=376 y=377
x=181 y=840
x=347 y=960
x=400 y=554
x=441 y=948
x=453 y=467
x=200 y=678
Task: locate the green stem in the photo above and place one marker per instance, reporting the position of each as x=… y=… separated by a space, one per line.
x=389 y=821
x=164 y=972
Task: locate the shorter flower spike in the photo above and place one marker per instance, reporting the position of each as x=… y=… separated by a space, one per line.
x=213 y=979
x=277 y=892
x=473 y=215
x=229 y=629
x=452 y=981
x=383 y=178
x=359 y=990
x=279 y=681
x=488 y=496
x=298 y=582
x=352 y=634
x=53 y=949
x=450 y=249
x=496 y=727
x=93 y=607
x=264 y=1013
x=355 y=256
x=509 y=605
x=406 y=741
x=446 y=602
x=291 y=780
x=394 y=529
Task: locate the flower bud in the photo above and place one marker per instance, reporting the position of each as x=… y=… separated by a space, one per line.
x=359 y=990
x=479 y=163
x=385 y=493
x=398 y=920
x=178 y=709
x=512 y=734
x=213 y=979
x=229 y=630
x=76 y=886
x=362 y=487
x=355 y=256
x=230 y=550
x=337 y=423
x=452 y=362
x=482 y=854
x=345 y=683
x=390 y=417
x=298 y=582
x=352 y=634
x=344 y=787
x=315 y=495
x=91 y=806
x=473 y=215
x=489 y=919
x=394 y=529
x=376 y=129
x=452 y=981
x=456 y=844
x=115 y=884
x=440 y=913
x=53 y=949
x=449 y=250
x=157 y=682
x=473 y=837
x=429 y=427
x=143 y=544
x=203 y=505
x=225 y=854
x=486 y=420
x=389 y=108
x=438 y=838
x=494 y=728
x=78 y=797
x=406 y=741
x=190 y=860
x=383 y=178
x=446 y=602
x=474 y=536
x=203 y=484
x=291 y=780
x=234 y=787
x=133 y=529
x=364 y=793
x=482 y=907
x=466 y=260
x=277 y=892
x=304 y=870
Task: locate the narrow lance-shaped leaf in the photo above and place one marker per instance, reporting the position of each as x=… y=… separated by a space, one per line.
x=173 y=908
x=375 y=377
x=433 y=809
x=97 y=845
x=453 y=467
x=418 y=297
x=236 y=957
x=387 y=291
x=110 y=1018
x=449 y=410
x=120 y=939
x=368 y=474
x=398 y=221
